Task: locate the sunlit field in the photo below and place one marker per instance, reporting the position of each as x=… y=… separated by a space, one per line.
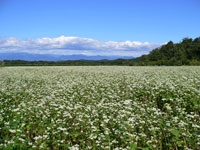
x=100 y=108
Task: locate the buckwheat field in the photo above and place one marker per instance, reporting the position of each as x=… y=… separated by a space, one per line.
x=111 y=108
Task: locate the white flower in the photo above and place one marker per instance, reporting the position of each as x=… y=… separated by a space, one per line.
x=12 y=130
x=74 y=147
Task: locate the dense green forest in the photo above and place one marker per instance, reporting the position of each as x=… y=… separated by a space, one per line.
x=187 y=52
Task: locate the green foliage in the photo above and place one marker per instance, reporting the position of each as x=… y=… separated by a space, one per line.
x=1 y=63
x=186 y=52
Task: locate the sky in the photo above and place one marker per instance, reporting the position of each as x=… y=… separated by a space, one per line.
x=95 y=27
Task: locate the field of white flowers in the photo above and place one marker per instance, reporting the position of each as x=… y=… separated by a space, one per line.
x=100 y=108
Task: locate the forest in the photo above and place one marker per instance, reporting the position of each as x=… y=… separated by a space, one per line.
x=186 y=52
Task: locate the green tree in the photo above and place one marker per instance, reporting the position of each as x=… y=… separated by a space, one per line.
x=1 y=63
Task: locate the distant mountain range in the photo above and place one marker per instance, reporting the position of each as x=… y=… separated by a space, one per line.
x=52 y=57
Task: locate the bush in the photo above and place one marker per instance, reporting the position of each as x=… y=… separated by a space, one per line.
x=1 y=63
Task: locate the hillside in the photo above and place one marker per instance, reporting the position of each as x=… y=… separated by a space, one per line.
x=187 y=52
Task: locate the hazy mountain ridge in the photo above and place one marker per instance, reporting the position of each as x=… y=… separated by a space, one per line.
x=52 y=57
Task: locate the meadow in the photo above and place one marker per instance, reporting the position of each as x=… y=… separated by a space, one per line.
x=110 y=107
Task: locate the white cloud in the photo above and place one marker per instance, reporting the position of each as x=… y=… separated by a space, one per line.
x=76 y=45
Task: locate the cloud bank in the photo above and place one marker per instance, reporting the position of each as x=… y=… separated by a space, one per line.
x=75 y=45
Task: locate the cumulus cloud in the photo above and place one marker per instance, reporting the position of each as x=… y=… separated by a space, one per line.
x=76 y=45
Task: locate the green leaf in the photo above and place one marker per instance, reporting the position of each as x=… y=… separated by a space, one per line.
x=175 y=132
x=133 y=146
x=146 y=148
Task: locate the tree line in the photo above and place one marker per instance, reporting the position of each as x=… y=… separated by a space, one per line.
x=187 y=52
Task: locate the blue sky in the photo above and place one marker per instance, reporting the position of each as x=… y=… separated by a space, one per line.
x=133 y=27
